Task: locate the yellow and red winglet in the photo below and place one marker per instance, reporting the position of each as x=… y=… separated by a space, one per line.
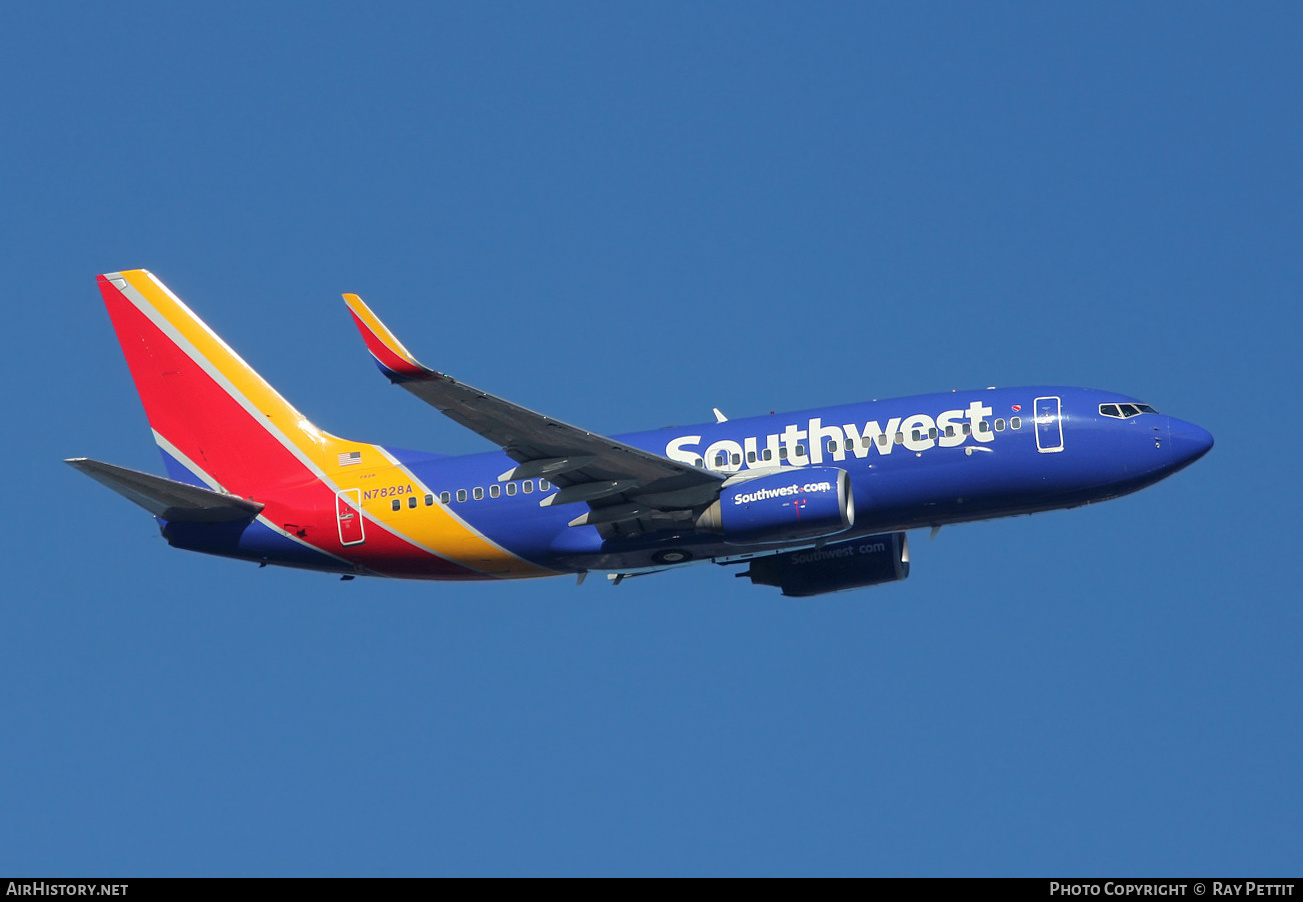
x=394 y=360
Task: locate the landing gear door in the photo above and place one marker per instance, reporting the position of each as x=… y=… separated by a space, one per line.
x=348 y=513
x=1049 y=425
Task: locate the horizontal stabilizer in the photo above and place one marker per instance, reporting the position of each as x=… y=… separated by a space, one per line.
x=167 y=498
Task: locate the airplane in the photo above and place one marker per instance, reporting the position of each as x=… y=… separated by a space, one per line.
x=811 y=502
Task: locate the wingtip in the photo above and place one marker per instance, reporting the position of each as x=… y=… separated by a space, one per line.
x=123 y=274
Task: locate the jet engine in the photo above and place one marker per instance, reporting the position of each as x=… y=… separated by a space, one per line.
x=808 y=503
x=831 y=568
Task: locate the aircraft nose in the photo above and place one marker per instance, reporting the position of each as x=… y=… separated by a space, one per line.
x=1188 y=442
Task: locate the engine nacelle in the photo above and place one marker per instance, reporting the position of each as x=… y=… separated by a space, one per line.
x=808 y=503
x=843 y=565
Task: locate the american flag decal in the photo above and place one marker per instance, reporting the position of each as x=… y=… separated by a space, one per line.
x=348 y=458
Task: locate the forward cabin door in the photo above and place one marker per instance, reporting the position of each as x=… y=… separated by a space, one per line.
x=348 y=513
x=1049 y=425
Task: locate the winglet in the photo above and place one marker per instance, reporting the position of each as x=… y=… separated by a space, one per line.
x=394 y=360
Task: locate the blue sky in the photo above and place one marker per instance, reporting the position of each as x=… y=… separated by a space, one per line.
x=624 y=215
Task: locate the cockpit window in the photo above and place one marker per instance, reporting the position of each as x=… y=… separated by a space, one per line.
x=1123 y=411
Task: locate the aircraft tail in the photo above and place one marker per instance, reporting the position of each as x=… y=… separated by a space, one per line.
x=217 y=422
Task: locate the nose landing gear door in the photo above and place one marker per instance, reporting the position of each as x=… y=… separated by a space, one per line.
x=1049 y=425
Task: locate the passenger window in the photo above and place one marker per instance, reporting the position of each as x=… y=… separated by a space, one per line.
x=932 y=433
x=769 y=454
x=411 y=501
x=900 y=438
x=444 y=497
x=543 y=485
x=782 y=454
x=461 y=494
x=1015 y=423
x=737 y=459
x=983 y=426
x=528 y=486
x=850 y=445
x=477 y=493
x=882 y=440
x=751 y=457
x=720 y=460
x=950 y=432
x=511 y=488
x=800 y=450
x=999 y=424
x=916 y=436
x=429 y=500
x=968 y=429
x=396 y=504
x=832 y=447
x=700 y=461
x=495 y=491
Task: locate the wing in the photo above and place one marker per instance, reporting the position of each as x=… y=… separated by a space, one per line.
x=628 y=490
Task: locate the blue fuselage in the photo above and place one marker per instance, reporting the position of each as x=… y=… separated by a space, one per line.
x=926 y=460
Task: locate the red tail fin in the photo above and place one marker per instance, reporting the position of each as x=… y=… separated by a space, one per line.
x=217 y=421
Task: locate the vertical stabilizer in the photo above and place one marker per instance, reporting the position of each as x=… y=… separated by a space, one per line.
x=218 y=423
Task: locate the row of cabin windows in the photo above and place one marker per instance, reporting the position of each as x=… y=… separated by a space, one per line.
x=722 y=460
x=477 y=493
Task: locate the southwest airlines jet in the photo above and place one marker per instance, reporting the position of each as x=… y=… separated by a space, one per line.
x=810 y=502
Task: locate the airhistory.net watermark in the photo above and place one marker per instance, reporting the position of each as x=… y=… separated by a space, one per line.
x=41 y=888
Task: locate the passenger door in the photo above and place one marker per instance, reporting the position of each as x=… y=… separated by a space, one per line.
x=1049 y=425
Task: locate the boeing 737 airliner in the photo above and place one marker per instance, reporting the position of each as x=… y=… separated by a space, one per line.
x=813 y=501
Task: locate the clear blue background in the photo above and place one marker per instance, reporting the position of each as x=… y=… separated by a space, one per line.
x=624 y=215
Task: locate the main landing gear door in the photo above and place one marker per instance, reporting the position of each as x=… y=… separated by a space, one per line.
x=348 y=513
x=1049 y=425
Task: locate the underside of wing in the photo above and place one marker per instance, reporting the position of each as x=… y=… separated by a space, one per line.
x=628 y=490
x=168 y=498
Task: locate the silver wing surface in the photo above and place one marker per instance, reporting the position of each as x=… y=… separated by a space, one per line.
x=168 y=498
